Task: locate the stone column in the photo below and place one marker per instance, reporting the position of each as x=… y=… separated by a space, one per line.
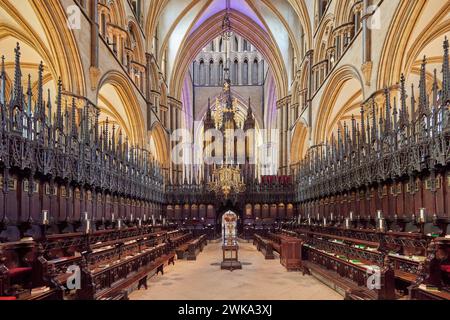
x=250 y=75
x=280 y=143
x=367 y=43
x=207 y=72
x=240 y=67
x=261 y=72
x=93 y=70
x=287 y=137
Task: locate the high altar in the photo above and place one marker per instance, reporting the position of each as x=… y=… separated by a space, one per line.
x=230 y=246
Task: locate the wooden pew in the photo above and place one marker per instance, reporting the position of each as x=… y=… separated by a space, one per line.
x=289 y=248
x=20 y=275
x=363 y=244
x=115 y=270
x=434 y=280
x=347 y=275
x=264 y=245
x=196 y=246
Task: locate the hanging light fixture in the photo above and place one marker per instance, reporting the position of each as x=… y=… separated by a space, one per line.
x=226 y=179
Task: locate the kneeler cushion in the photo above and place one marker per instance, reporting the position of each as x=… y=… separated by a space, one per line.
x=7 y=298
x=18 y=272
x=446 y=268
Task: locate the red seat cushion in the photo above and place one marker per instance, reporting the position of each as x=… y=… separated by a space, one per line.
x=446 y=268
x=17 y=272
x=7 y=298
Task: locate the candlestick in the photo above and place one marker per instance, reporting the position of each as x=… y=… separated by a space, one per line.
x=382 y=225
x=422 y=215
x=88 y=226
x=45 y=217
x=347 y=223
x=379 y=214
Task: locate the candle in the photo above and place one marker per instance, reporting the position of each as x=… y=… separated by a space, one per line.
x=382 y=225
x=87 y=226
x=119 y=223
x=351 y=216
x=131 y=219
x=44 y=217
x=324 y=221
x=85 y=216
x=347 y=223
x=422 y=214
x=112 y=217
x=379 y=214
x=145 y=217
x=139 y=223
x=332 y=216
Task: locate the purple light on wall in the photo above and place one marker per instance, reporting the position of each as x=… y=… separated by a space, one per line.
x=186 y=100
x=243 y=7
x=220 y=5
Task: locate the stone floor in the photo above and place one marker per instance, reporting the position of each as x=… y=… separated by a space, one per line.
x=259 y=279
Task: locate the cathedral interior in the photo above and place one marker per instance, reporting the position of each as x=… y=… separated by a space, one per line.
x=148 y=147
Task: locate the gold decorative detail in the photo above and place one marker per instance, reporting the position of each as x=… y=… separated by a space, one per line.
x=225 y=180
x=94 y=74
x=366 y=69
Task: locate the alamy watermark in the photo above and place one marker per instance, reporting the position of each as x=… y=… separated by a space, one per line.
x=73 y=17
x=373 y=278
x=230 y=146
x=74 y=281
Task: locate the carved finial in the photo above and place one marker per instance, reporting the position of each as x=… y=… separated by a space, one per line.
x=388 y=126
x=17 y=75
x=49 y=108
x=445 y=74
x=96 y=126
x=3 y=83
x=423 y=88
x=40 y=93
x=113 y=138
x=74 y=130
x=119 y=145
x=59 y=116
x=395 y=113
x=374 y=120
x=30 y=97
x=107 y=134
x=363 y=125
x=435 y=89
x=403 y=110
